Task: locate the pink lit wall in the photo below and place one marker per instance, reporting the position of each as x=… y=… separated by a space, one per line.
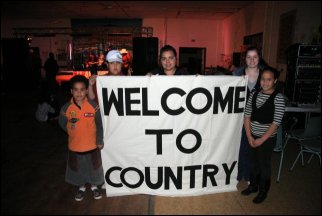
x=264 y=16
x=190 y=33
x=245 y=22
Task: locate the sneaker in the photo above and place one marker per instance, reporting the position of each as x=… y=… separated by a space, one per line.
x=79 y=195
x=96 y=194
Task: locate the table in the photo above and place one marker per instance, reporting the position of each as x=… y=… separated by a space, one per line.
x=298 y=109
x=304 y=109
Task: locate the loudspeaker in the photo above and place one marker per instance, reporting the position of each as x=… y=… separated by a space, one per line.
x=145 y=54
x=236 y=59
x=15 y=59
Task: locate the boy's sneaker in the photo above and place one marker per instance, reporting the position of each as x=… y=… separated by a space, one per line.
x=96 y=194
x=79 y=195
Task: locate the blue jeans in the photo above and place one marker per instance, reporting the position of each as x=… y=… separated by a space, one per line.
x=244 y=167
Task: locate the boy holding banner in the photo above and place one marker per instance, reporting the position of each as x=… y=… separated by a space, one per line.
x=81 y=119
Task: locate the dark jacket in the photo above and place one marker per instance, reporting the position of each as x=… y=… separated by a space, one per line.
x=160 y=71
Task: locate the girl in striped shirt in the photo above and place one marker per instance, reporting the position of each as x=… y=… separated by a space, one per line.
x=263 y=114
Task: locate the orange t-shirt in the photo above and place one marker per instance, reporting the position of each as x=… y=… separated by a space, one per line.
x=81 y=127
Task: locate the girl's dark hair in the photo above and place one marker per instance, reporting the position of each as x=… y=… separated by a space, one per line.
x=253 y=48
x=275 y=72
x=78 y=78
x=168 y=48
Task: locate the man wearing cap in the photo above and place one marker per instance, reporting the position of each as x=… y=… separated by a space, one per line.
x=126 y=67
x=114 y=60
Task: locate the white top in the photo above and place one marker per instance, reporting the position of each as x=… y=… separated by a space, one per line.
x=43 y=110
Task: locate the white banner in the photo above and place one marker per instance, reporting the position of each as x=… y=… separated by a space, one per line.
x=171 y=135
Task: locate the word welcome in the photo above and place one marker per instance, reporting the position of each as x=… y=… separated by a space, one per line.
x=232 y=99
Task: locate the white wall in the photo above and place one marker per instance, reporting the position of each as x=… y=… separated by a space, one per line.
x=190 y=33
x=264 y=17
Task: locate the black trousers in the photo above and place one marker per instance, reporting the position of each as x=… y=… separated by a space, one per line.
x=260 y=161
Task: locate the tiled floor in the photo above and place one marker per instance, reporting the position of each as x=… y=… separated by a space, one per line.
x=33 y=158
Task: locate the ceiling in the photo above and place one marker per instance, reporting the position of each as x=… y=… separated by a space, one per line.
x=55 y=10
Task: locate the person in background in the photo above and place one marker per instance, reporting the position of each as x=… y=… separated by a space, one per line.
x=81 y=119
x=35 y=65
x=44 y=110
x=252 y=69
x=47 y=108
x=127 y=61
x=101 y=63
x=91 y=63
x=51 y=67
x=168 y=62
x=114 y=61
x=263 y=114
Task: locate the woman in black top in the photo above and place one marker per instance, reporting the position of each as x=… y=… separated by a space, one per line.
x=168 y=62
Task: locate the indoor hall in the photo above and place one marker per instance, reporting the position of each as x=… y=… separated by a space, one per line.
x=211 y=40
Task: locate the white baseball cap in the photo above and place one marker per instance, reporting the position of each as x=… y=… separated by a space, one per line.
x=114 y=56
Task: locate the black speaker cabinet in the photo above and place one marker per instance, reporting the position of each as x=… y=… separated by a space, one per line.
x=236 y=59
x=145 y=54
x=15 y=64
x=303 y=79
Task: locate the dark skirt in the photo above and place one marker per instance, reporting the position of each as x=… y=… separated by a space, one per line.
x=85 y=167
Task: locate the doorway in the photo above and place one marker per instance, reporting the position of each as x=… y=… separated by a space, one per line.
x=193 y=59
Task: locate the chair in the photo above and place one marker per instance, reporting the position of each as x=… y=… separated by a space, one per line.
x=310 y=140
x=310 y=133
x=279 y=139
x=288 y=126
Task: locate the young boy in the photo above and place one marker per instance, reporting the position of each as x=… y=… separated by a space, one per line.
x=263 y=114
x=114 y=61
x=81 y=119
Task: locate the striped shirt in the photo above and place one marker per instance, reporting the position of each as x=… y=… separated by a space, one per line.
x=257 y=128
